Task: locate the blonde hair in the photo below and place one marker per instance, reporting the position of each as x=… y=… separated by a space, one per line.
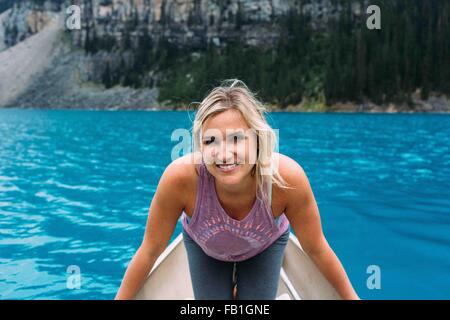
x=234 y=94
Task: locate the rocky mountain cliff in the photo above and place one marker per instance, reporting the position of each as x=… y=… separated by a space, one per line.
x=25 y=18
x=189 y=23
x=125 y=48
x=114 y=27
x=195 y=23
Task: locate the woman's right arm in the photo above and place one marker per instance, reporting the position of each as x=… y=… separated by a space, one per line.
x=165 y=210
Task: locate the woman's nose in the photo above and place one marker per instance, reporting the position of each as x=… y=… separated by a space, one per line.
x=224 y=153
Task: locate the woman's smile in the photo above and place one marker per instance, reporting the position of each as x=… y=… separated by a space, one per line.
x=227 y=168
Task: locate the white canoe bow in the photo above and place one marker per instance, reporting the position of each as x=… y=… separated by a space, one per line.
x=300 y=279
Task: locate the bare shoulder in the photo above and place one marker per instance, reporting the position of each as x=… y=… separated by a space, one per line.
x=287 y=166
x=178 y=180
x=183 y=171
x=300 y=204
x=294 y=175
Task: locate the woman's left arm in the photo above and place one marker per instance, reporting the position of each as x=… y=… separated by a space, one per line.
x=303 y=215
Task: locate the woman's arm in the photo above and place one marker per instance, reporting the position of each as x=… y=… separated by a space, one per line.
x=136 y=274
x=303 y=215
x=165 y=210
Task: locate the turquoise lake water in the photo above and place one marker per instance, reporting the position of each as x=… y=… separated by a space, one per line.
x=75 y=187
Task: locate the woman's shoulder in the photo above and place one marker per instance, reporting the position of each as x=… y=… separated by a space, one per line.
x=295 y=177
x=287 y=167
x=185 y=170
x=180 y=177
x=292 y=173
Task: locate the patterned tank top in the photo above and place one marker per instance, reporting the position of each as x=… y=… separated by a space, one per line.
x=223 y=237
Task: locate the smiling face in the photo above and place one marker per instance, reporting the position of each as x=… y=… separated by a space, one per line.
x=229 y=147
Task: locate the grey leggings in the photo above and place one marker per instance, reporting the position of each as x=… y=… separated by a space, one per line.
x=257 y=277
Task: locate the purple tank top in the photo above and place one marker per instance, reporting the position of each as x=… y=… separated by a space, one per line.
x=223 y=237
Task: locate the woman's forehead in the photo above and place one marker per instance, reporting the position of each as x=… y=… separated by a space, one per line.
x=227 y=120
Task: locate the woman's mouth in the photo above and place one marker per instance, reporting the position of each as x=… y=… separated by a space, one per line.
x=227 y=168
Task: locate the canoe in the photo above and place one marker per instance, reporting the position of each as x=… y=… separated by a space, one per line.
x=300 y=279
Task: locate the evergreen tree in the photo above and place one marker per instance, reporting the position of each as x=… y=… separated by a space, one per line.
x=106 y=77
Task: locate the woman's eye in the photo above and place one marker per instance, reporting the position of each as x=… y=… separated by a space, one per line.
x=237 y=138
x=209 y=141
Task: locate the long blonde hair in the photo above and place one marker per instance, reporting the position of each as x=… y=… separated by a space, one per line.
x=234 y=94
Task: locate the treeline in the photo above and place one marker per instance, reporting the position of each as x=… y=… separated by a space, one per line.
x=343 y=62
x=411 y=51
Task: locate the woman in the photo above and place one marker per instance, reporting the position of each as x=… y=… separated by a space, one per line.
x=238 y=198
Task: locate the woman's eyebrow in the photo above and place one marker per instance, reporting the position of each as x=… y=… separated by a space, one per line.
x=240 y=131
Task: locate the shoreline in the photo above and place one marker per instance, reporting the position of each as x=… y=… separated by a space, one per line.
x=156 y=109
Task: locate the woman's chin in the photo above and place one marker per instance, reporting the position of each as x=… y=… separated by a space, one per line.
x=230 y=178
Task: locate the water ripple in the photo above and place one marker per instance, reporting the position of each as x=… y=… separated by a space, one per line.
x=75 y=187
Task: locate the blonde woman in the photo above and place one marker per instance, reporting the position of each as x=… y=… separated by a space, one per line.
x=238 y=199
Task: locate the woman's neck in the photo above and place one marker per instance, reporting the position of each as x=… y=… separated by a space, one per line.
x=237 y=191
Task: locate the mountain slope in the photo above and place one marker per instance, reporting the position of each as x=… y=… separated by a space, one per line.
x=26 y=60
x=44 y=71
